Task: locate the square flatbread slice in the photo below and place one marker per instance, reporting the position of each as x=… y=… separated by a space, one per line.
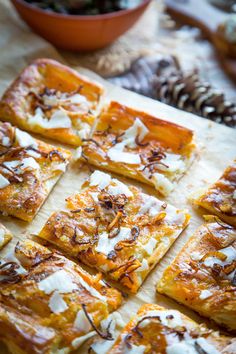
x=220 y=198
x=137 y=145
x=116 y=229
x=203 y=275
x=48 y=303
x=155 y=329
x=29 y=169
x=5 y=236
x=53 y=100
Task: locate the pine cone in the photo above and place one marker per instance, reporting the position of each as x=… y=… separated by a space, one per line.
x=187 y=92
x=161 y=77
x=140 y=76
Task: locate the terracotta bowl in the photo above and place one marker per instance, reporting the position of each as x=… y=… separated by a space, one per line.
x=79 y=33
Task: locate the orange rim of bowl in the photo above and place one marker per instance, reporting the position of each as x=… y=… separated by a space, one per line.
x=82 y=17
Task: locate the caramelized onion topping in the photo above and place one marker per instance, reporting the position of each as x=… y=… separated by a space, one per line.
x=127 y=269
x=92 y=141
x=115 y=202
x=107 y=335
x=137 y=142
x=114 y=222
x=83 y=241
x=225 y=226
x=57 y=154
x=136 y=328
x=113 y=233
x=9 y=273
x=126 y=340
x=155 y=159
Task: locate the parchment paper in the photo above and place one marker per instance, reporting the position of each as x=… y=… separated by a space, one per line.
x=216 y=149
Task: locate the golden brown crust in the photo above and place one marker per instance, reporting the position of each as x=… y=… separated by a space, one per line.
x=29 y=319
x=44 y=79
x=17 y=327
x=29 y=169
x=155 y=330
x=203 y=275
x=220 y=198
x=5 y=236
x=166 y=148
x=169 y=133
x=92 y=230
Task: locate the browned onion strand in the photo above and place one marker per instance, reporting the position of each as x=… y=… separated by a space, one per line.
x=42 y=153
x=14 y=178
x=56 y=153
x=180 y=331
x=114 y=232
x=83 y=155
x=9 y=273
x=112 y=255
x=75 y=211
x=127 y=269
x=136 y=328
x=38 y=101
x=139 y=143
x=107 y=335
x=126 y=264
x=225 y=226
x=92 y=141
x=127 y=275
x=126 y=340
x=112 y=202
x=117 y=139
x=135 y=231
x=15 y=152
x=38 y=97
x=82 y=242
